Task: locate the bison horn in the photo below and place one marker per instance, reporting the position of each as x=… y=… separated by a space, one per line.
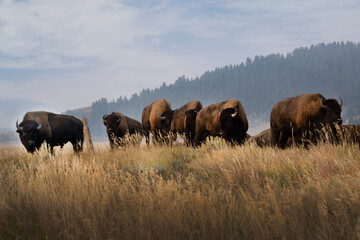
x=38 y=127
x=341 y=102
x=17 y=126
x=160 y=117
x=219 y=111
x=235 y=114
x=105 y=116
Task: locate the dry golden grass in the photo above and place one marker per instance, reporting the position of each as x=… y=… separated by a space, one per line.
x=162 y=192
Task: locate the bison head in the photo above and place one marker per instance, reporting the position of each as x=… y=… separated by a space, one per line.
x=28 y=133
x=330 y=111
x=165 y=120
x=231 y=126
x=112 y=123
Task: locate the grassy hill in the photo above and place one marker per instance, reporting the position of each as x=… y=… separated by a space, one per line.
x=158 y=192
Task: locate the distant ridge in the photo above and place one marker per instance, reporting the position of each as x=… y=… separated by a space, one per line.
x=84 y=111
x=330 y=69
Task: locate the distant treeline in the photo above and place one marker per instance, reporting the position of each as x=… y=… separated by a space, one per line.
x=330 y=69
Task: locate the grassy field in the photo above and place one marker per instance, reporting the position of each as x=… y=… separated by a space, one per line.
x=161 y=192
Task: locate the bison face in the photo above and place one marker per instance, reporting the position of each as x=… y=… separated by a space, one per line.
x=331 y=112
x=165 y=120
x=112 y=123
x=231 y=125
x=28 y=133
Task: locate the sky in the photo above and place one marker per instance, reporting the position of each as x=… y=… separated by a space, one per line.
x=58 y=55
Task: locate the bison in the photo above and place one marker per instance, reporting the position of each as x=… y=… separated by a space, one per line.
x=118 y=125
x=262 y=139
x=226 y=119
x=54 y=129
x=302 y=117
x=178 y=119
x=155 y=120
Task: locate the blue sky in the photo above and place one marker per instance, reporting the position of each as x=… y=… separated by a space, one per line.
x=66 y=54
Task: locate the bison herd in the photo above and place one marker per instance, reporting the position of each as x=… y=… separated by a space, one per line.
x=300 y=120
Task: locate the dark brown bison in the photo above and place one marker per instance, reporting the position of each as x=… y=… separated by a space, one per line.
x=262 y=139
x=226 y=119
x=54 y=129
x=155 y=120
x=118 y=125
x=178 y=119
x=302 y=117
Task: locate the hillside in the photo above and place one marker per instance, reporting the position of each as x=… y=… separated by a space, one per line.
x=330 y=69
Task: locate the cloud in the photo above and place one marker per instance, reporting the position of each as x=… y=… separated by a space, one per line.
x=14 y=109
x=70 y=53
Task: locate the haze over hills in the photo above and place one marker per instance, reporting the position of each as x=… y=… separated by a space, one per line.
x=12 y=110
x=330 y=69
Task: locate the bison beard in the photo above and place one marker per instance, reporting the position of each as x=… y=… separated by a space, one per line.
x=302 y=118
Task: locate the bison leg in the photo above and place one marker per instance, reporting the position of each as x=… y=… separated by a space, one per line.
x=112 y=144
x=278 y=138
x=237 y=140
x=275 y=134
x=189 y=139
x=283 y=140
x=240 y=140
x=77 y=145
x=309 y=137
x=334 y=135
x=112 y=141
x=147 y=137
x=202 y=138
x=199 y=133
x=172 y=137
x=156 y=137
x=51 y=149
x=160 y=137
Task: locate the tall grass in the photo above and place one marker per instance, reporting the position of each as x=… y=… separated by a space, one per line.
x=162 y=192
